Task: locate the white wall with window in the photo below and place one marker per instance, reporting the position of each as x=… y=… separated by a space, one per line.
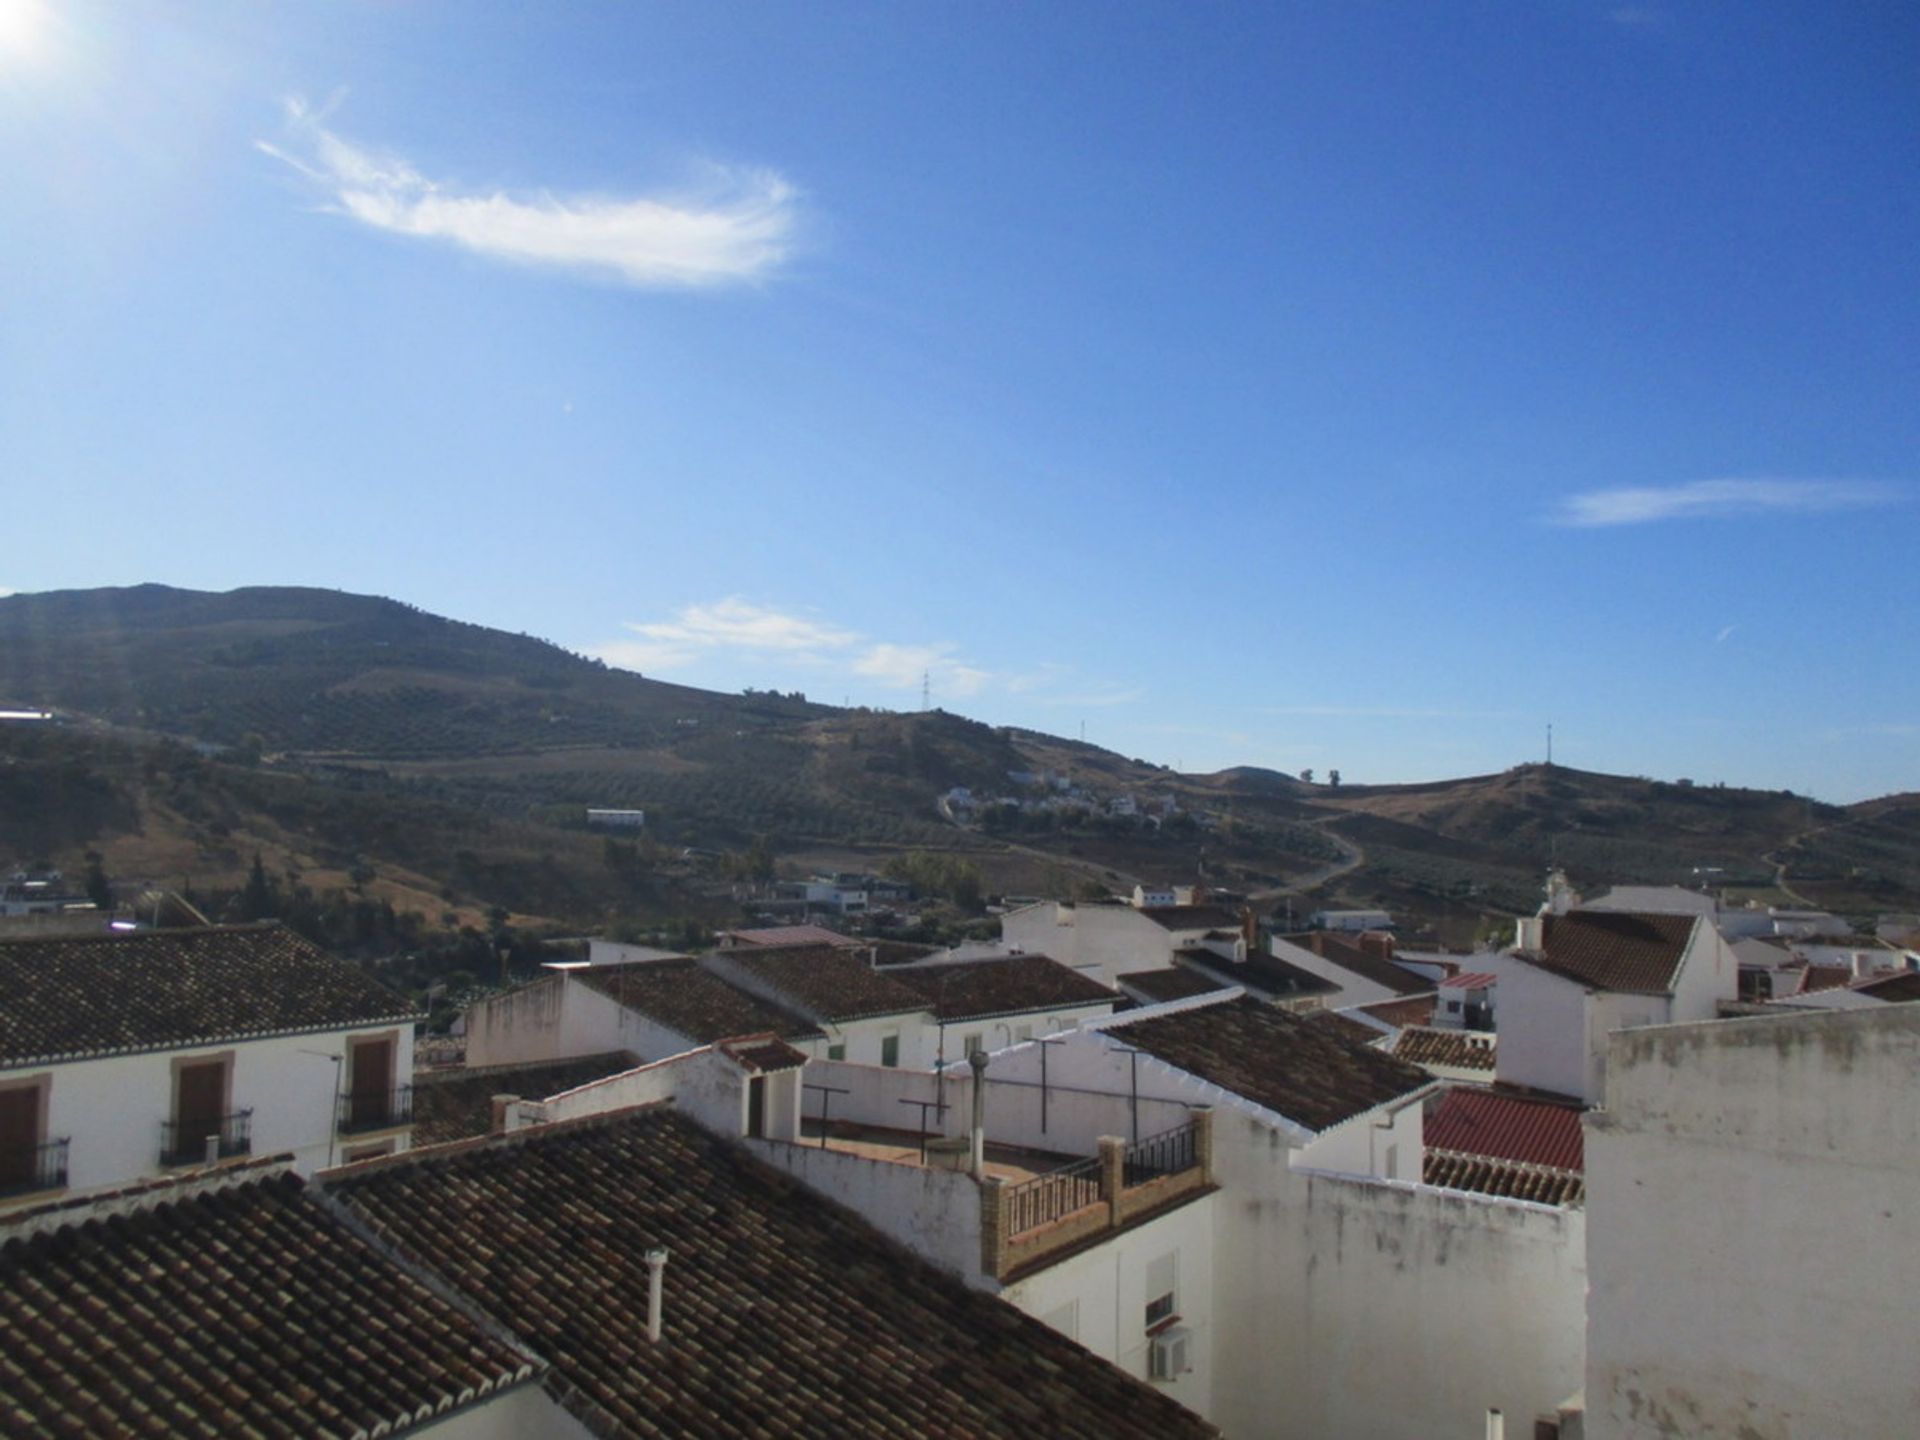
x=1144 y=1299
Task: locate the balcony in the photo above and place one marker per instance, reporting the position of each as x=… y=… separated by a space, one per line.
x=204 y=1141
x=1037 y=1220
x=26 y=1169
x=366 y=1110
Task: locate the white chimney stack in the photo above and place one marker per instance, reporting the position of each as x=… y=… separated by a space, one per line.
x=656 y=1271
x=1496 y=1425
x=977 y=1154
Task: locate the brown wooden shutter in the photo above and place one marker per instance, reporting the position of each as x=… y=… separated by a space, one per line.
x=19 y=1134
x=203 y=1101
x=372 y=1082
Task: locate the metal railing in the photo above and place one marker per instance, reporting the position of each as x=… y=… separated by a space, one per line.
x=199 y=1142
x=1168 y=1153
x=375 y=1109
x=1052 y=1196
x=27 y=1168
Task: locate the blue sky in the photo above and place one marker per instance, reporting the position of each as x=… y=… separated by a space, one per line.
x=1347 y=385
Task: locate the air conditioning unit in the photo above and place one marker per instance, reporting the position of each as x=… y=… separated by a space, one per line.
x=1170 y=1353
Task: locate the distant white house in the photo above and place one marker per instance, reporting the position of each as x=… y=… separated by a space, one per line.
x=1351 y=921
x=616 y=819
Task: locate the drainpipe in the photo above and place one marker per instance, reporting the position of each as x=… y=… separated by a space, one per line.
x=977 y=1162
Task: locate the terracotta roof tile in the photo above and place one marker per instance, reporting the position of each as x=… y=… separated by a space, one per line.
x=1358 y=1031
x=1825 y=977
x=247 y=1310
x=1455 y=1049
x=1191 y=917
x=453 y=1104
x=1159 y=986
x=1506 y=1127
x=784 y=1314
x=1472 y=980
x=790 y=935
x=171 y=988
x=1267 y=974
x=1415 y=1010
x=762 y=1053
x=1615 y=949
x=1019 y=984
x=690 y=1001
x=1308 y=1072
x=1350 y=954
x=827 y=983
x=1508 y=1179
x=1901 y=986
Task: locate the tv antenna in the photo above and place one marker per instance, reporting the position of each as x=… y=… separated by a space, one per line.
x=926 y=689
x=1549 y=742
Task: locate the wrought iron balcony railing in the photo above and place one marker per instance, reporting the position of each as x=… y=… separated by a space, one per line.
x=204 y=1141
x=375 y=1109
x=27 y=1168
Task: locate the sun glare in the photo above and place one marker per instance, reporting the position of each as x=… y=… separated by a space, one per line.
x=23 y=30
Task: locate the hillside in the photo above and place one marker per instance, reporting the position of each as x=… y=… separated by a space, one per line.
x=449 y=765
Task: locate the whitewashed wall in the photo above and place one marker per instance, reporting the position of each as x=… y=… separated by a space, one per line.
x=1543 y=1029
x=1099 y=1296
x=1354 y=989
x=1718 y=1140
x=526 y=1412
x=558 y=1018
x=111 y=1109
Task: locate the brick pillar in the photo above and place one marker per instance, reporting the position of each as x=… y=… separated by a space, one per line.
x=1203 y=1141
x=993 y=1226
x=503 y=1113
x=1113 y=1175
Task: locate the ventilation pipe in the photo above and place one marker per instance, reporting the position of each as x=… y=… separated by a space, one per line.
x=656 y=1271
x=1496 y=1425
x=977 y=1153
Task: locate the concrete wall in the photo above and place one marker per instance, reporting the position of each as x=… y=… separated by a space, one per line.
x=1752 y=1189
x=1099 y=1297
x=111 y=1109
x=935 y=1213
x=556 y=1018
x=704 y=1083
x=1385 y=1310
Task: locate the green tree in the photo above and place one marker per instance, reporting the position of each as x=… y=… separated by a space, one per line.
x=98 y=888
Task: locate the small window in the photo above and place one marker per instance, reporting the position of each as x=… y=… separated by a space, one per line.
x=890 y=1050
x=1162 y=1290
x=1453 y=1007
x=837 y=1050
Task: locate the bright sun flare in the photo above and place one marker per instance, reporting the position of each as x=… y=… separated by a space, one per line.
x=23 y=29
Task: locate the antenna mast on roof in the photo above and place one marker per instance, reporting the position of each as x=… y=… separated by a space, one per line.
x=926 y=689
x=1549 y=744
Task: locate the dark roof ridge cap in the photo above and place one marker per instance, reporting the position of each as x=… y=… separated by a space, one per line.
x=194 y=1042
x=452 y=1149
x=138 y=1196
x=449 y=1074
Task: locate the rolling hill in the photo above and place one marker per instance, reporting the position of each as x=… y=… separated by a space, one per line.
x=351 y=735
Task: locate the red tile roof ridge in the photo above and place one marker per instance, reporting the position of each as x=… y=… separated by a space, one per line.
x=1472 y=980
x=139 y=1195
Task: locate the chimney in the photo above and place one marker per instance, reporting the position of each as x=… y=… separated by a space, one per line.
x=656 y=1271
x=977 y=1154
x=1529 y=933
x=502 y=1113
x=1378 y=943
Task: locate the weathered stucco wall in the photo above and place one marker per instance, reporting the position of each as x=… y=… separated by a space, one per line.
x=1386 y=1310
x=1752 y=1190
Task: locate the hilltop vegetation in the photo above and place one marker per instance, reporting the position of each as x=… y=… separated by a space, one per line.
x=444 y=769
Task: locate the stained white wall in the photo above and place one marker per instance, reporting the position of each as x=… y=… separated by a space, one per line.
x=1099 y=1297
x=1719 y=1139
x=1543 y=1029
x=1100 y=941
x=558 y=1018
x=111 y=1109
x=1368 y=1143
x=526 y=1412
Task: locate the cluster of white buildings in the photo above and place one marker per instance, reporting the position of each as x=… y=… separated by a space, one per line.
x=1158 y=1172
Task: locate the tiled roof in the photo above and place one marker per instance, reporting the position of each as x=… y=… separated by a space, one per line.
x=1416 y=1010
x=784 y=1314
x=1310 y=1073
x=790 y=935
x=454 y=1104
x=245 y=1310
x=1506 y=1127
x=1825 y=977
x=687 y=999
x=1508 y=1179
x=1159 y=986
x=976 y=989
x=763 y=1053
x=1904 y=985
x=827 y=983
x=1456 y=1049
x=1358 y=1031
x=1350 y=954
x=169 y=988
x=1191 y=917
x=1268 y=974
x=1614 y=949
x=1472 y=980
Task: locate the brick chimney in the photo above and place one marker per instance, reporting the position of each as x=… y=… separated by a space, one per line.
x=1377 y=943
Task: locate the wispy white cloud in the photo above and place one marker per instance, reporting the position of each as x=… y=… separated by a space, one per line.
x=902 y=667
x=1700 y=499
x=1383 y=712
x=1725 y=631
x=1638 y=17
x=736 y=226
